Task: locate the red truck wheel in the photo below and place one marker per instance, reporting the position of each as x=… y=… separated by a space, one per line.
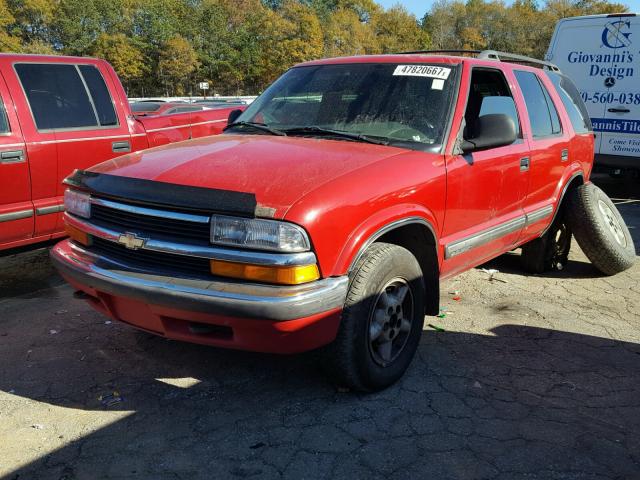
x=381 y=321
x=550 y=251
x=600 y=230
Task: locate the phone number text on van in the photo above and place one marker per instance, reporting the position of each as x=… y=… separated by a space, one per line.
x=628 y=98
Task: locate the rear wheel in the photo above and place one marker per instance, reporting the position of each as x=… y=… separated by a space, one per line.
x=550 y=251
x=600 y=229
x=381 y=322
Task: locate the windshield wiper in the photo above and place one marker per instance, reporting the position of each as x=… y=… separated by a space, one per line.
x=258 y=126
x=357 y=137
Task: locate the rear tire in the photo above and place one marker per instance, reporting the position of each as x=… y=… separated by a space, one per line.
x=382 y=320
x=600 y=229
x=550 y=251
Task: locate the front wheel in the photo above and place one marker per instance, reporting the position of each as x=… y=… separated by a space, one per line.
x=381 y=321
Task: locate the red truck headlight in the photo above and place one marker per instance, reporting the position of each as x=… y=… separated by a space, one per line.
x=258 y=234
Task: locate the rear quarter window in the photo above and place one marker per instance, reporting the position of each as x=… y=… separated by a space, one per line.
x=100 y=94
x=572 y=101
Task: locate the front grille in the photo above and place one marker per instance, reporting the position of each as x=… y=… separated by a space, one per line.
x=133 y=222
x=150 y=260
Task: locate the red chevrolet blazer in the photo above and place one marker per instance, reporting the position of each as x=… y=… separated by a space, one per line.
x=329 y=211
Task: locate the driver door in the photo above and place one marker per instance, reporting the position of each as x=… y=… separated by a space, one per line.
x=485 y=188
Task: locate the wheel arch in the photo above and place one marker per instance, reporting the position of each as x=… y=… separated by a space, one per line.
x=418 y=236
x=575 y=180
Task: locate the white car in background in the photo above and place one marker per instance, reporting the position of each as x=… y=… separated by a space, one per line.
x=601 y=54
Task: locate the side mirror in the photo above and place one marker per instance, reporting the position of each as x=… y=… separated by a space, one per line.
x=233 y=116
x=491 y=131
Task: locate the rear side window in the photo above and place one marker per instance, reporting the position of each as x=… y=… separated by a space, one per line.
x=543 y=115
x=100 y=94
x=59 y=99
x=572 y=102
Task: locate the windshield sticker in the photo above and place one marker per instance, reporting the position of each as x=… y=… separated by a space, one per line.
x=437 y=84
x=430 y=71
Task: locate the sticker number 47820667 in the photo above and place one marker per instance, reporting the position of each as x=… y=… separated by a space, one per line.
x=430 y=71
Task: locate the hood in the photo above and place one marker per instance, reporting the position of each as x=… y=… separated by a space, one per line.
x=278 y=170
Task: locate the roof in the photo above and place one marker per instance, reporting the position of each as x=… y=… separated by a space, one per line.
x=451 y=57
x=30 y=57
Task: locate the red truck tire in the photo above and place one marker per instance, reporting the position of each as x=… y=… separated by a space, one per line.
x=381 y=322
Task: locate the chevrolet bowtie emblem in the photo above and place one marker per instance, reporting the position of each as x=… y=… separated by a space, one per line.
x=131 y=241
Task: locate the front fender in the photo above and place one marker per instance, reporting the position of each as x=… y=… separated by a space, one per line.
x=379 y=224
x=343 y=214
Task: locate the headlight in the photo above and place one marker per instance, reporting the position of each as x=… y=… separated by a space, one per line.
x=77 y=203
x=259 y=234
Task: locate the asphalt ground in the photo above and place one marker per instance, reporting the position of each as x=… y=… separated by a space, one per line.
x=526 y=376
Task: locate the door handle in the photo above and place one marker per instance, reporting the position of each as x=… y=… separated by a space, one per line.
x=12 y=156
x=618 y=110
x=524 y=164
x=121 y=147
x=564 y=156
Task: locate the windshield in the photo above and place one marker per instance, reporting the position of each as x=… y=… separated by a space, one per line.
x=404 y=105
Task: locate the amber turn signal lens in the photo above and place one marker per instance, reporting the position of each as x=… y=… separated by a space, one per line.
x=78 y=235
x=281 y=275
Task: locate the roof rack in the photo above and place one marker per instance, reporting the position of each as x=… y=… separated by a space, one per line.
x=475 y=52
x=495 y=55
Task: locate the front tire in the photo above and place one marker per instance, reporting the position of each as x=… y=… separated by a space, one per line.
x=600 y=230
x=381 y=322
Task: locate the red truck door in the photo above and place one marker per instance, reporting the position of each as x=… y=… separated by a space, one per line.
x=485 y=188
x=16 y=208
x=72 y=111
x=549 y=145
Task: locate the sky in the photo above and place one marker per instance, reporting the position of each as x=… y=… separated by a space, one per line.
x=420 y=7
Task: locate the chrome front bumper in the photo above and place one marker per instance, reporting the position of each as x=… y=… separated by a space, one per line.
x=231 y=298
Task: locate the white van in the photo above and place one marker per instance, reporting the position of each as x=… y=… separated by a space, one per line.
x=601 y=54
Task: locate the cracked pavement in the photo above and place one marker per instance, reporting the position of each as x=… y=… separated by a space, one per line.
x=534 y=377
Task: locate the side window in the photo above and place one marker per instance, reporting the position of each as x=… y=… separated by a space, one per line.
x=59 y=96
x=572 y=102
x=553 y=112
x=542 y=113
x=4 y=121
x=100 y=93
x=56 y=95
x=489 y=93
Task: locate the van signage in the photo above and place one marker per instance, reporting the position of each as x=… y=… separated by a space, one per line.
x=613 y=33
x=615 y=125
x=601 y=54
x=605 y=64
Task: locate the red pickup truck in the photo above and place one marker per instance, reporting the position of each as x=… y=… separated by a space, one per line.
x=328 y=212
x=62 y=113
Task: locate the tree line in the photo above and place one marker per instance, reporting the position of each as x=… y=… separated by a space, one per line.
x=165 y=47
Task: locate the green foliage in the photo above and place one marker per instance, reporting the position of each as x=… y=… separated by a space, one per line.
x=123 y=54
x=178 y=60
x=240 y=46
x=522 y=27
